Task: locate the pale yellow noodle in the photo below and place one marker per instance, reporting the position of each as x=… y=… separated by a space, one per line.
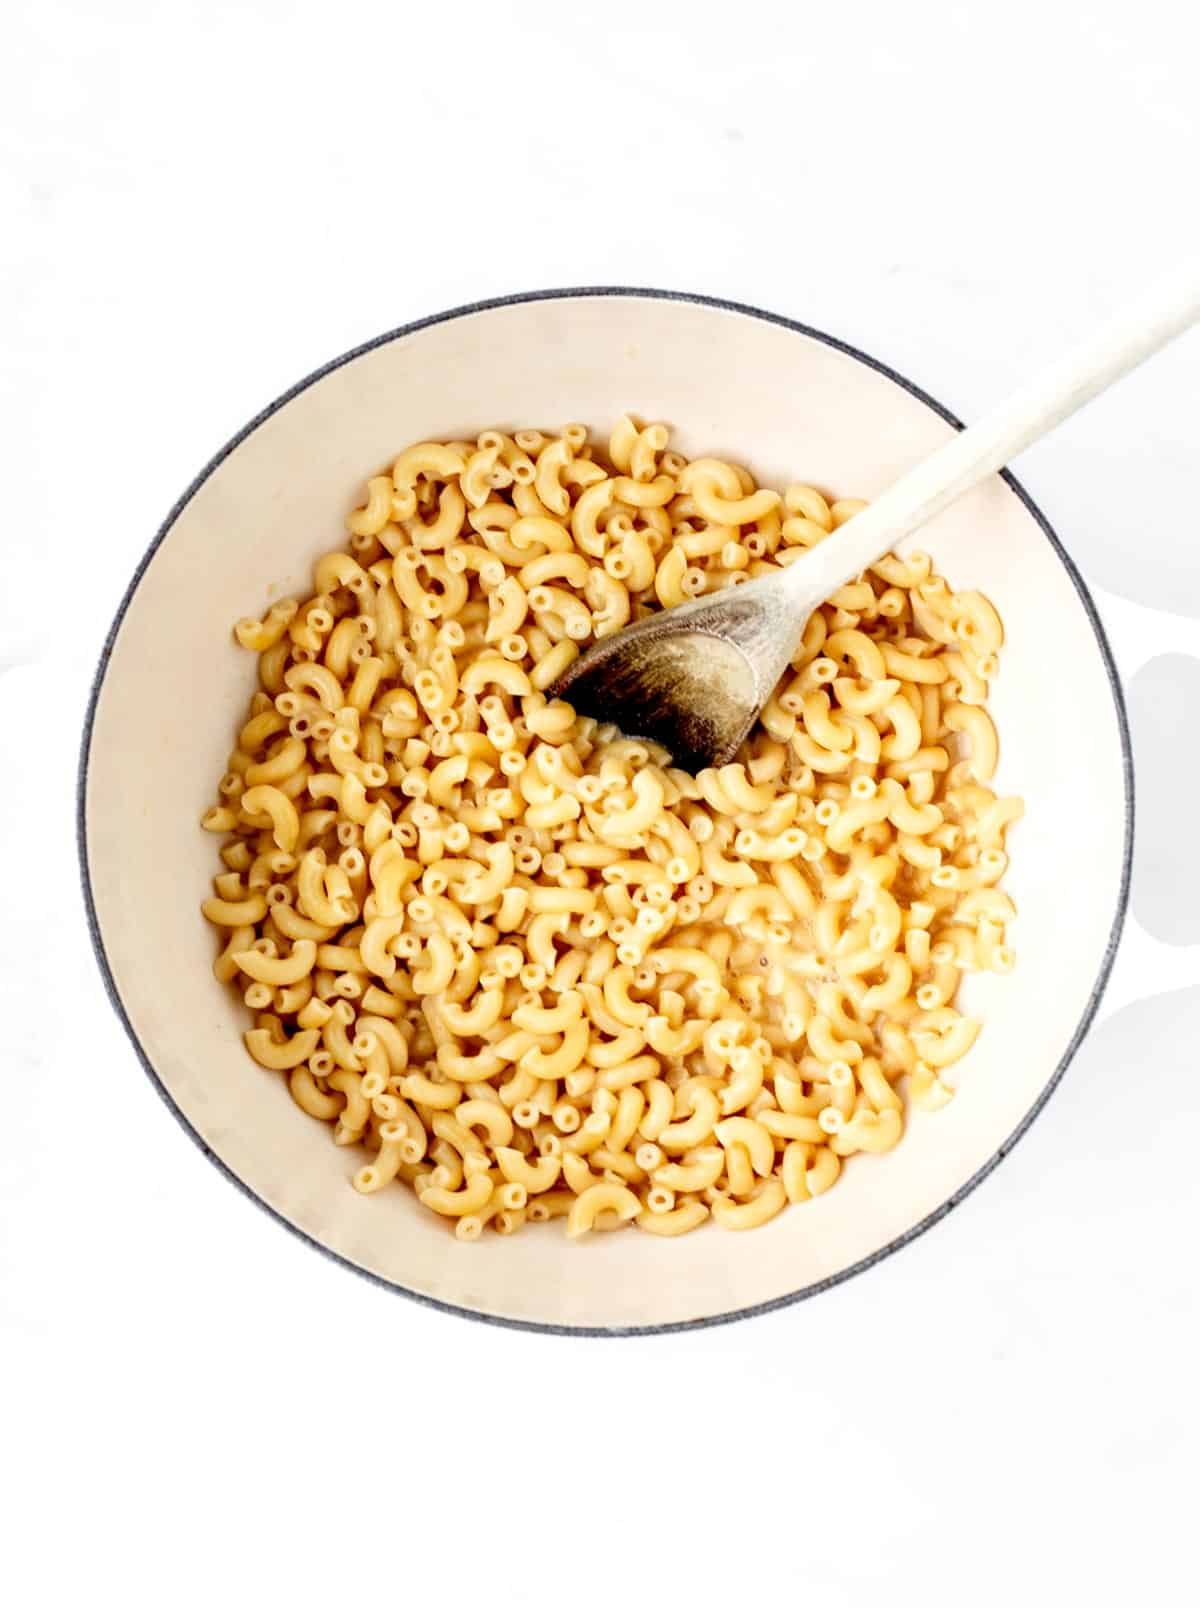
x=537 y=969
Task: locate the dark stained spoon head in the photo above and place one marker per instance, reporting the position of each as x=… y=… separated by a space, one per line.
x=694 y=691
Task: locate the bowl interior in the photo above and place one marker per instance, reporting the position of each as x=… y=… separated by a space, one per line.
x=788 y=404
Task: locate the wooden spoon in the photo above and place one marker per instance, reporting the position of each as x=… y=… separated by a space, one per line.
x=695 y=677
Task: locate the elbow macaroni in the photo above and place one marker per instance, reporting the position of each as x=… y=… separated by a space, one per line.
x=536 y=970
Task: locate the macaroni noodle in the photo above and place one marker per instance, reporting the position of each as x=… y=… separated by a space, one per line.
x=531 y=967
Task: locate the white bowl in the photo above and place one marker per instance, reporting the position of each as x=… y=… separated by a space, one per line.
x=789 y=402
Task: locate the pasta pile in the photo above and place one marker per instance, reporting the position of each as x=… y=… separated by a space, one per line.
x=531 y=967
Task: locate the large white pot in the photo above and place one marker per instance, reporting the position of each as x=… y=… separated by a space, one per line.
x=792 y=404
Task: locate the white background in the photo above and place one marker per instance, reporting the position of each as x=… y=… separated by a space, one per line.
x=201 y=202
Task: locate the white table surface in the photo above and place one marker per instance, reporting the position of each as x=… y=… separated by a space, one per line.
x=201 y=202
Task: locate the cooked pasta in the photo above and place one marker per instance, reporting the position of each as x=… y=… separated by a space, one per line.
x=530 y=966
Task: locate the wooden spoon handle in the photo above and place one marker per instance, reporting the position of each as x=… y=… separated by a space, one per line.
x=1117 y=347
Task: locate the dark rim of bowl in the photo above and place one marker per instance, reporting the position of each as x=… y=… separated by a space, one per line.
x=777 y=1302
